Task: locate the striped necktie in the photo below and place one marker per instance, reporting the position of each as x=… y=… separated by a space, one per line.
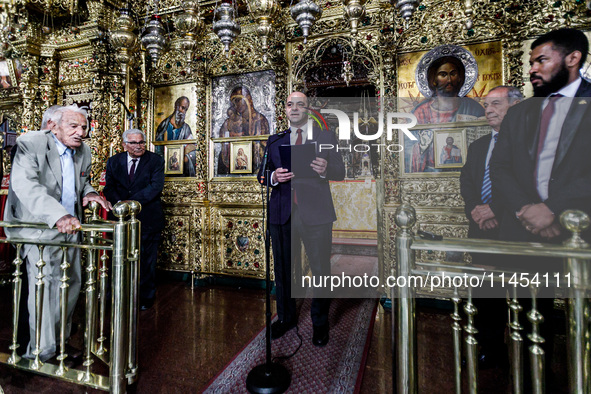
x=486 y=192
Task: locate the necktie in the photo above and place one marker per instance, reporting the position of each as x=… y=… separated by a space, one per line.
x=299 y=139
x=545 y=122
x=486 y=192
x=547 y=114
x=132 y=170
x=298 y=142
x=68 y=182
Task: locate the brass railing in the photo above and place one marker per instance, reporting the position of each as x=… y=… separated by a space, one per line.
x=121 y=356
x=576 y=254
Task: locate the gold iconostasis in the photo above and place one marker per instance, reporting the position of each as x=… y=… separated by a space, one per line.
x=229 y=102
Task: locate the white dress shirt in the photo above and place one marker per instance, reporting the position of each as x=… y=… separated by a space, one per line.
x=546 y=159
x=491 y=146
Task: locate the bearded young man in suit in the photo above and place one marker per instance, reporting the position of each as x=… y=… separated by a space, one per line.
x=50 y=183
x=540 y=167
x=301 y=210
x=138 y=174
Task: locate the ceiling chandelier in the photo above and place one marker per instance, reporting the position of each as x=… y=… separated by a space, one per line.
x=407 y=8
x=123 y=39
x=224 y=23
x=354 y=11
x=347 y=72
x=305 y=13
x=189 y=24
x=264 y=11
x=153 y=38
x=468 y=12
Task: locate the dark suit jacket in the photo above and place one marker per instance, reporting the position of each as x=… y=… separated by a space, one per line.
x=146 y=188
x=313 y=194
x=471 y=180
x=513 y=163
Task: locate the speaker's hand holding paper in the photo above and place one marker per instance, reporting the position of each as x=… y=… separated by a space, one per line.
x=282 y=175
x=319 y=165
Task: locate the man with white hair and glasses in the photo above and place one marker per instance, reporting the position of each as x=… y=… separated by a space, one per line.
x=138 y=174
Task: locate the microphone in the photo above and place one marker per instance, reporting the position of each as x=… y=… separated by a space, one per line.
x=282 y=133
x=130 y=116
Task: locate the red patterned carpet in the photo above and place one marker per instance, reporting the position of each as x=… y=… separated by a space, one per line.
x=334 y=368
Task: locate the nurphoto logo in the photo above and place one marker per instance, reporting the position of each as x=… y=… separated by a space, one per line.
x=347 y=127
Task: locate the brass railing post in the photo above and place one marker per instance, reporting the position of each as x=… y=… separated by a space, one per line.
x=103 y=278
x=39 y=293
x=17 y=284
x=93 y=240
x=537 y=355
x=134 y=269
x=515 y=343
x=91 y=294
x=120 y=307
x=457 y=337
x=65 y=265
x=471 y=344
x=577 y=339
x=406 y=339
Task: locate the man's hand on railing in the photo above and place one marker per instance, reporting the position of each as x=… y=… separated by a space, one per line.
x=95 y=197
x=68 y=224
x=539 y=219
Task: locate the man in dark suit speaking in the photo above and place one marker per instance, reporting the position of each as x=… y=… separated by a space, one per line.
x=301 y=210
x=137 y=174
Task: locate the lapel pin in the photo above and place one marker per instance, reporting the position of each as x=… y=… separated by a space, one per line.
x=583 y=101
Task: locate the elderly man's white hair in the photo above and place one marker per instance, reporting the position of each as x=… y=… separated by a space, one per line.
x=56 y=117
x=47 y=116
x=132 y=131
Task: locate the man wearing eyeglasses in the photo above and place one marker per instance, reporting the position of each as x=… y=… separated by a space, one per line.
x=137 y=174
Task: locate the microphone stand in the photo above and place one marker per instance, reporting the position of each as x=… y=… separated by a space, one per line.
x=130 y=116
x=268 y=377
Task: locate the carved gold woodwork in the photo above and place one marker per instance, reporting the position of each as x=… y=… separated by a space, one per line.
x=182 y=245
x=238 y=242
x=64 y=67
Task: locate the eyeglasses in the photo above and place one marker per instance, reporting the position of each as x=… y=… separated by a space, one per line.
x=136 y=143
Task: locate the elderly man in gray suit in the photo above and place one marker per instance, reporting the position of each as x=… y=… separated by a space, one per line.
x=50 y=183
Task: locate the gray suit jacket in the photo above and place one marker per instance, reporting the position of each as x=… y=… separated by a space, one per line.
x=36 y=184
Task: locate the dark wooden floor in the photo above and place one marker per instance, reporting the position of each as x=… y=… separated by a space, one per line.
x=190 y=335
